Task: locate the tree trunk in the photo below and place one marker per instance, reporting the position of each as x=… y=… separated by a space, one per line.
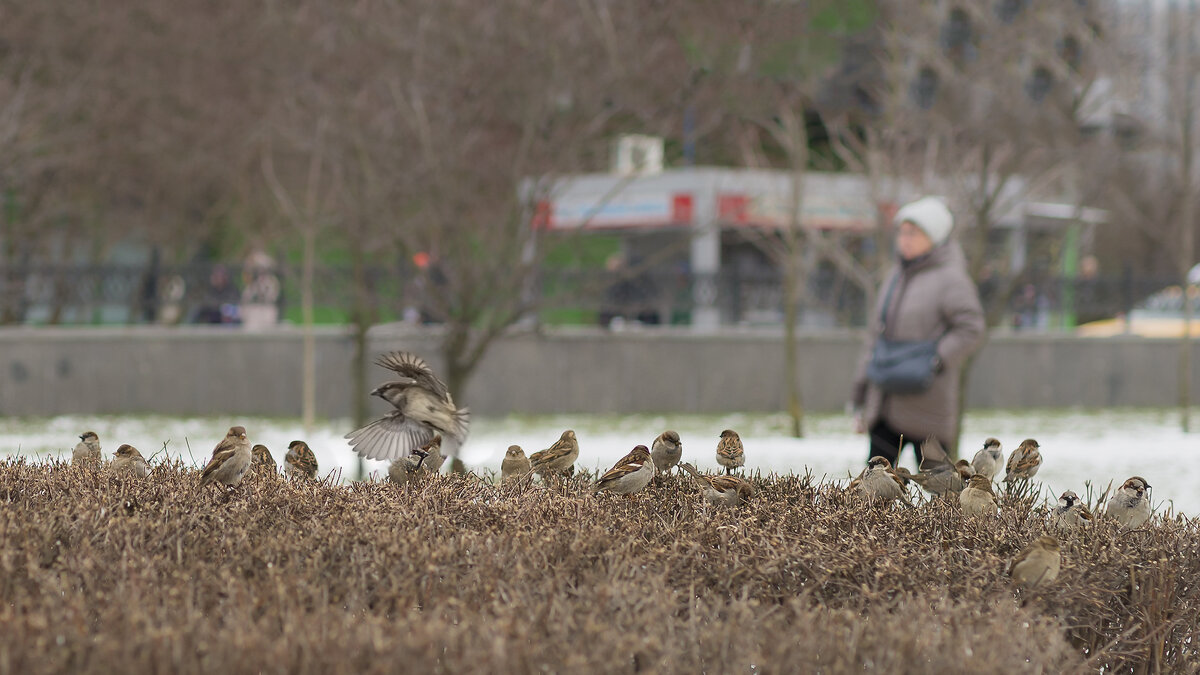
x=362 y=318
x=309 y=356
x=1188 y=242
x=795 y=141
x=791 y=356
x=792 y=278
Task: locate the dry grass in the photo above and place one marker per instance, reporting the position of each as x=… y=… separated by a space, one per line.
x=100 y=574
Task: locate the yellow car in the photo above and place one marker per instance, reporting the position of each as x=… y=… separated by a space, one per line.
x=1158 y=316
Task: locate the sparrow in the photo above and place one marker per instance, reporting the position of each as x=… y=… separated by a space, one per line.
x=728 y=490
x=937 y=475
x=230 y=459
x=432 y=454
x=1070 y=514
x=300 y=460
x=407 y=468
x=1024 y=462
x=423 y=408
x=1038 y=564
x=87 y=450
x=558 y=457
x=730 y=453
x=989 y=460
x=515 y=465
x=260 y=458
x=127 y=459
x=977 y=499
x=878 y=480
x=1130 y=506
x=666 y=451
x=631 y=474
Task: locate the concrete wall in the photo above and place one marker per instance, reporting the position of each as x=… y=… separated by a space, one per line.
x=214 y=370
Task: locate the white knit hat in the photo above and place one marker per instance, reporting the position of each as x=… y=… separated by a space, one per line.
x=931 y=215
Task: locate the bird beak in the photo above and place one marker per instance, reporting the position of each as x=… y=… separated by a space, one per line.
x=242 y=436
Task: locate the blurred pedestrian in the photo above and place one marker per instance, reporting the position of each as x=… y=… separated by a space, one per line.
x=219 y=303
x=928 y=306
x=260 y=292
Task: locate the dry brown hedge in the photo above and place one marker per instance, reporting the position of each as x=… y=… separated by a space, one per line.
x=101 y=574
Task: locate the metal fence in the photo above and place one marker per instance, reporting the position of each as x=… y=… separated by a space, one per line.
x=216 y=293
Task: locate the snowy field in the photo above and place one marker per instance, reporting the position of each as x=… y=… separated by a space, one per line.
x=1077 y=446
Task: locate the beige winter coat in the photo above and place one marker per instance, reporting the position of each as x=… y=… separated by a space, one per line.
x=933 y=295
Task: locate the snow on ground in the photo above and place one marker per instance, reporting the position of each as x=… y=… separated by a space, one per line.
x=1077 y=446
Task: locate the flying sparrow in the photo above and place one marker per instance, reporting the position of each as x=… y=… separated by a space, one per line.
x=230 y=459
x=1038 y=564
x=666 y=451
x=515 y=465
x=300 y=460
x=1070 y=514
x=989 y=460
x=423 y=408
x=1024 y=462
x=127 y=459
x=938 y=476
x=558 y=457
x=631 y=474
x=730 y=453
x=261 y=459
x=87 y=450
x=408 y=468
x=728 y=490
x=977 y=499
x=1130 y=506
x=878 y=480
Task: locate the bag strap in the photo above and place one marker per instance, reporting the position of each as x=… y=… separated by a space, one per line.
x=887 y=301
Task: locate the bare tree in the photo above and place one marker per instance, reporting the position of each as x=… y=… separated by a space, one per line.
x=763 y=65
x=492 y=117
x=996 y=92
x=1156 y=187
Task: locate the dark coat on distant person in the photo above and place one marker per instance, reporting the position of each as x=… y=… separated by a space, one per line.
x=934 y=296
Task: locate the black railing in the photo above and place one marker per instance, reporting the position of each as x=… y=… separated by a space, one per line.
x=210 y=293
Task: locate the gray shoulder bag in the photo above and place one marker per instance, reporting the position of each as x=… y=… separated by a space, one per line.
x=901 y=366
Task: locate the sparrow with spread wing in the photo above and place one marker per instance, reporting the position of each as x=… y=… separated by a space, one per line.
x=728 y=490
x=422 y=406
x=937 y=475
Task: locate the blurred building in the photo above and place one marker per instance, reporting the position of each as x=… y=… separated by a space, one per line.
x=713 y=234
x=715 y=227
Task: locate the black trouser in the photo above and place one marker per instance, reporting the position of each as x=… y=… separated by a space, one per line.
x=885 y=442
